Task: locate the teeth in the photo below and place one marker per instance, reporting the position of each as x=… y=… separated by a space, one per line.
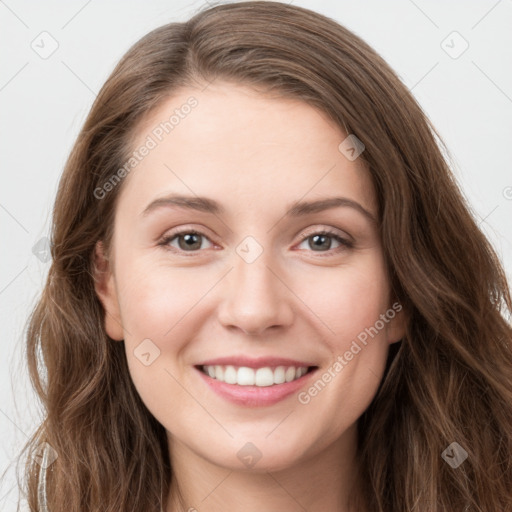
x=230 y=375
x=219 y=373
x=290 y=374
x=245 y=377
x=262 y=377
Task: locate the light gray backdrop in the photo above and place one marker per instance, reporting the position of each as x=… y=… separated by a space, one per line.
x=455 y=57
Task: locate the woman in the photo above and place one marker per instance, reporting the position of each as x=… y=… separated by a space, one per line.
x=267 y=292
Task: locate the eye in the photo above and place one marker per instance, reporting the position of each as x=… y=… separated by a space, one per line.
x=188 y=240
x=318 y=241
x=191 y=241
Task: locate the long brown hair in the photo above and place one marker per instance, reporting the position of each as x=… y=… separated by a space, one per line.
x=449 y=379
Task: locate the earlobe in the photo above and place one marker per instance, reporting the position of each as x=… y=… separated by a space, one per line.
x=397 y=325
x=105 y=287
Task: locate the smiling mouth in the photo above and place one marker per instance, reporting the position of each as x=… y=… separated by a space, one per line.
x=260 y=377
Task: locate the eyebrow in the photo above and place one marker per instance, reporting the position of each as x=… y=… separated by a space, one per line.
x=297 y=209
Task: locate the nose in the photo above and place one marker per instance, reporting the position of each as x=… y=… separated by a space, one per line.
x=255 y=297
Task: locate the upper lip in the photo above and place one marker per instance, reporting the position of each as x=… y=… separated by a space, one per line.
x=259 y=362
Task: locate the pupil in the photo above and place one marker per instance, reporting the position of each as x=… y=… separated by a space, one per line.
x=191 y=241
x=323 y=238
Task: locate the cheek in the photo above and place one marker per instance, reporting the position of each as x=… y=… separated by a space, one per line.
x=158 y=307
x=155 y=298
x=348 y=299
x=351 y=303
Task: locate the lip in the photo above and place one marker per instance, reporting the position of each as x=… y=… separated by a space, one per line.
x=254 y=396
x=259 y=362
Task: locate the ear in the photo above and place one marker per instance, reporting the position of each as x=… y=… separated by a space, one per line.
x=105 y=287
x=397 y=326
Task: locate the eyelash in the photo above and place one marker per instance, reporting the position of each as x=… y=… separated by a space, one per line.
x=344 y=244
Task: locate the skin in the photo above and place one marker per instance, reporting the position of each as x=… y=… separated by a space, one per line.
x=255 y=155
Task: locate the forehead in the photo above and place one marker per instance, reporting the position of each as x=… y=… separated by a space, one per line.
x=243 y=147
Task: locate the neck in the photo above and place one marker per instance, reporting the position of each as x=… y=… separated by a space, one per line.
x=317 y=483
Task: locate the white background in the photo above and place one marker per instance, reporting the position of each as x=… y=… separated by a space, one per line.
x=43 y=103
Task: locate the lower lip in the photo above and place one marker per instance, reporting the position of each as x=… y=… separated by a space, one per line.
x=255 y=396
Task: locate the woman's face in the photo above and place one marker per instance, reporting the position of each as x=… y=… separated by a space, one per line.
x=258 y=289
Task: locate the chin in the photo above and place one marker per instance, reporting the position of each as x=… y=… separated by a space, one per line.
x=257 y=454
